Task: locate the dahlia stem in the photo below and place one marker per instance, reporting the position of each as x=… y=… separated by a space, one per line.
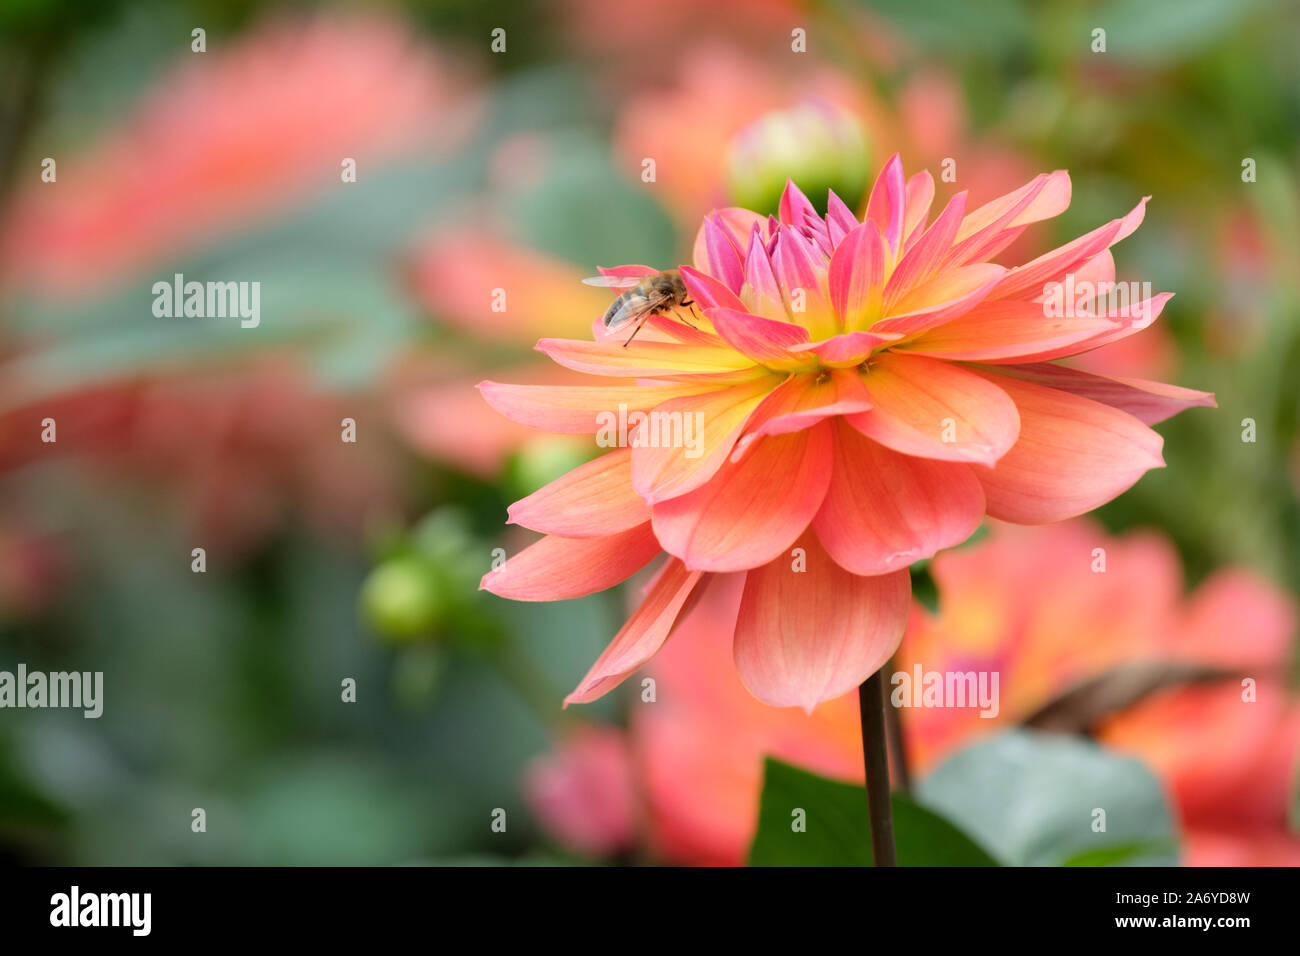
x=875 y=755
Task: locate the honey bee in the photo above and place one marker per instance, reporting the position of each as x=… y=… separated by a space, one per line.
x=645 y=296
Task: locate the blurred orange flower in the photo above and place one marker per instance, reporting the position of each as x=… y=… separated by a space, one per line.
x=233 y=137
x=1027 y=604
x=222 y=142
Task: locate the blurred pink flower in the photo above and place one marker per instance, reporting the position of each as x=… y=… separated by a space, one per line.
x=223 y=142
x=232 y=137
x=437 y=412
x=232 y=450
x=458 y=276
x=1250 y=270
x=700 y=746
x=32 y=567
x=583 y=794
x=1231 y=766
x=618 y=33
x=1026 y=603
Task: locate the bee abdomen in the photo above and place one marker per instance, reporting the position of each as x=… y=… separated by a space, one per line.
x=614 y=308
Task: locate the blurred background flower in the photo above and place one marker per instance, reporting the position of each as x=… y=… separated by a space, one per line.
x=1026 y=604
x=521 y=172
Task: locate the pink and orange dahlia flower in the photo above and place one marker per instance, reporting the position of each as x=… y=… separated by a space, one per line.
x=866 y=392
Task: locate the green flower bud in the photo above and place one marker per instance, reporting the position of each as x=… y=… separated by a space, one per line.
x=404 y=599
x=816 y=144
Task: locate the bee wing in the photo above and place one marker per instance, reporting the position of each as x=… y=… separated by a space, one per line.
x=635 y=308
x=613 y=282
x=629 y=309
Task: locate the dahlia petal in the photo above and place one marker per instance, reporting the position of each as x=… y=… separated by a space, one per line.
x=594 y=499
x=734 y=222
x=773 y=230
x=887 y=205
x=578 y=409
x=1061 y=337
x=661 y=471
x=884 y=511
x=556 y=568
x=752 y=509
x=856 y=276
x=937 y=410
x=711 y=293
x=804 y=637
x=953 y=292
x=920 y=196
x=816 y=229
x=721 y=258
x=1044 y=196
x=922 y=259
x=641 y=359
x=674 y=328
x=1100 y=268
x=761 y=294
x=1004 y=331
x=798 y=268
x=1073 y=455
x=766 y=341
x=643 y=634
x=802 y=401
x=846 y=349
x=623 y=271
x=995 y=224
x=840 y=220
x=1148 y=402
x=794 y=206
x=1148 y=310
x=1054 y=265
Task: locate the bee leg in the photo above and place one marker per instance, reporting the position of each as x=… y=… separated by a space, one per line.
x=633 y=335
x=691 y=304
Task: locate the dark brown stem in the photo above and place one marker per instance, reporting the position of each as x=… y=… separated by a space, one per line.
x=875 y=755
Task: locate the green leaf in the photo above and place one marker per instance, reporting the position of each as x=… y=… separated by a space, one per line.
x=924 y=590
x=1031 y=798
x=587 y=211
x=1163 y=30
x=992 y=27
x=1119 y=855
x=836 y=831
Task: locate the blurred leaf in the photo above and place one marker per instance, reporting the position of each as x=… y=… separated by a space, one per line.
x=838 y=830
x=994 y=27
x=1158 y=30
x=587 y=211
x=118 y=49
x=22 y=803
x=1120 y=855
x=1030 y=798
x=924 y=589
x=330 y=810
